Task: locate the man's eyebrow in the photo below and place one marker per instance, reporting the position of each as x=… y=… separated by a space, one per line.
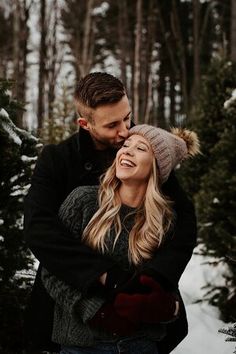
x=116 y=121
x=128 y=114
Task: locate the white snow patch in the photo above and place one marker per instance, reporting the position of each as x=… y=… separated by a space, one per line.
x=101 y=9
x=11 y=133
x=203 y=319
x=16 y=192
x=14 y=178
x=25 y=158
x=4 y=113
x=208 y=224
x=230 y=100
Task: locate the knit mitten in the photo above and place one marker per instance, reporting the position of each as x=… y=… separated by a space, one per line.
x=108 y=319
x=156 y=306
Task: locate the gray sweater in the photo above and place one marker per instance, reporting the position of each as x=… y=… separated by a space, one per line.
x=72 y=310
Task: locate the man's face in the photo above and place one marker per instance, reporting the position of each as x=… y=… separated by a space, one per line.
x=110 y=125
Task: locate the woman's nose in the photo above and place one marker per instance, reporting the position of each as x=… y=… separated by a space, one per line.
x=129 y=151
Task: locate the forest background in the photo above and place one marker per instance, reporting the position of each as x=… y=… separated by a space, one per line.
x=177 y=60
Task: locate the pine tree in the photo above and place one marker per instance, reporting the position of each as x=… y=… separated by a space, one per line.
x=208 y=119
x=231 y=332
x=216 y=204
x=18 y=152
x=61 y=124
x=212 y=178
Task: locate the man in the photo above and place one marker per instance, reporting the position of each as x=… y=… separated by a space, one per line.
x=104 y=119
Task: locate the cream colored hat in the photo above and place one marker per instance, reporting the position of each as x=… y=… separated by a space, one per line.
x=169 y=148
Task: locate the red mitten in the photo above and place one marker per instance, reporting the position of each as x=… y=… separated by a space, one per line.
x=156 y=306
x=108 y=319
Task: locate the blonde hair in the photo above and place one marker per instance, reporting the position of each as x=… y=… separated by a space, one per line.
x=152 y=220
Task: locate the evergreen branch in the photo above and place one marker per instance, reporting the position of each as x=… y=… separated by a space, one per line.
x=230 y=331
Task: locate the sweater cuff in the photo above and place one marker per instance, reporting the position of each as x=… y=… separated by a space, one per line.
x=87 y=308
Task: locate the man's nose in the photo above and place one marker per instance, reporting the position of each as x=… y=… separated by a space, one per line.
x=123 y=131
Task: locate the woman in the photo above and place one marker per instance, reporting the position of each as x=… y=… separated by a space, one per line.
x=129 y=219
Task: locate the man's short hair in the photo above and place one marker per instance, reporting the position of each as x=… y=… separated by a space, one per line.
x=97 y=89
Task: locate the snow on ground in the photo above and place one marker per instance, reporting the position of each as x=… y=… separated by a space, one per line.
x=204 y=323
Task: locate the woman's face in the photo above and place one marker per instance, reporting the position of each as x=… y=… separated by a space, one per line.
x=134 y=160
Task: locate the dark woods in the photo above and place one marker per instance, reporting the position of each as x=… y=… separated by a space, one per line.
x=160 y=50
x=176 y=59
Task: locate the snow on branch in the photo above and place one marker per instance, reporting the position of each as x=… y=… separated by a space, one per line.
x=231 y=332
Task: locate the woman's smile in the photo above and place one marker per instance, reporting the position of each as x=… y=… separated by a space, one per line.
x=124 y=162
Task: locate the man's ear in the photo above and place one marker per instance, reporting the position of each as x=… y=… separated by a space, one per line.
x=83 y=123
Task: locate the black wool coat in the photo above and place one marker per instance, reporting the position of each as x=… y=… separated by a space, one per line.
x=59 y=169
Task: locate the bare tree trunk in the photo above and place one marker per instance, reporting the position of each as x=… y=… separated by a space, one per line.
x=166 y=36
x=122 y=30
x=161 y=89
x=16 y=54
x=16 y=42
x=42 y=65
x=85 y=61
x=149 y=101
x=172 y=99
x=20 y=51
x=149 y=61
x=233 y=31
x=2 y=67
x=196 y=49
x=204 y=25
x=24 y=48
x=52 y=70
x=182 y=57
x=138 y=39
x=24 y=51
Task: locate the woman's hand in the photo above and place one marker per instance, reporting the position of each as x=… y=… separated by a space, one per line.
x=155 y=306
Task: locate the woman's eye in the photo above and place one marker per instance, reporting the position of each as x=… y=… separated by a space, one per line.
x=141 y=148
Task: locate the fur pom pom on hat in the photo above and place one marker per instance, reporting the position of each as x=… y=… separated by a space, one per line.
x=169 y=148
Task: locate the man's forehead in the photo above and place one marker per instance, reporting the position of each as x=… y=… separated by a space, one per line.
x=116 y=110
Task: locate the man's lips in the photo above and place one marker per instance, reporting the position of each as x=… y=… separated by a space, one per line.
x=120 y=143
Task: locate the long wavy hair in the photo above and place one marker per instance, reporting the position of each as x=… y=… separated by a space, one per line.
x=152 y=220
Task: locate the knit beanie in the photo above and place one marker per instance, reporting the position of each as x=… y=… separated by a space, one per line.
x=169 y=148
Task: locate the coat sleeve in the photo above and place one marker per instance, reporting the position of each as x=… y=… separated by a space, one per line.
x=69 y=298
x=50 y=242
x=170 y=260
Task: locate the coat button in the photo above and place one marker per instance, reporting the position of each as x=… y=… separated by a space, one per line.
x=88 y=166
x=102 y=314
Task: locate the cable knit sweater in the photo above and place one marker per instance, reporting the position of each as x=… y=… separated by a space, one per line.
x=72 y=309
